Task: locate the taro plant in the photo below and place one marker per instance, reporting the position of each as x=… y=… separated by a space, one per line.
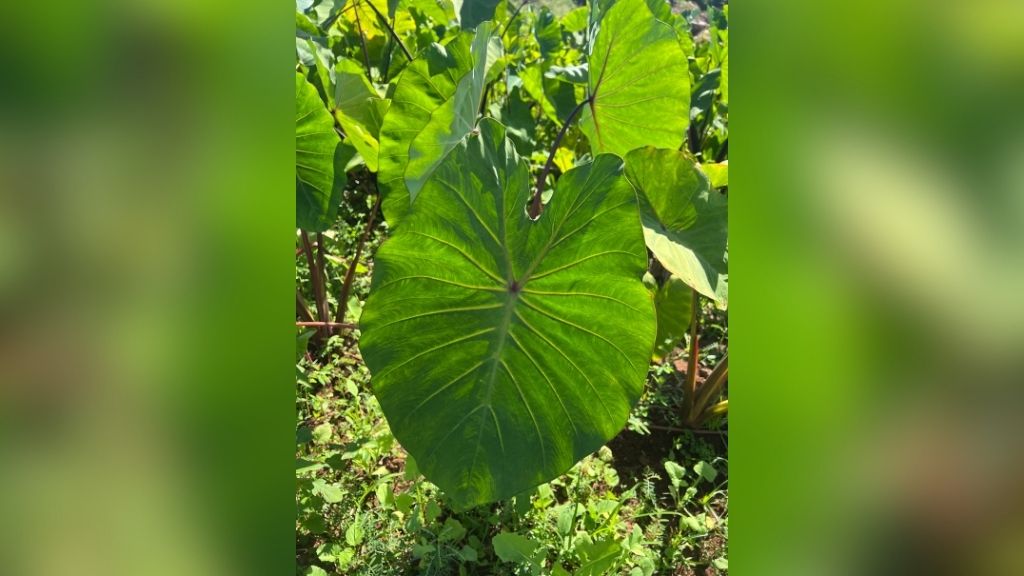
x=532 y=169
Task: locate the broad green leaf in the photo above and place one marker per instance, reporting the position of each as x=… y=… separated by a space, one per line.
x=639 y=83
x=512 y=547
x=674 y=304
x=499 y=347
x=685 y=221
x=435 y=104
x=317 y=184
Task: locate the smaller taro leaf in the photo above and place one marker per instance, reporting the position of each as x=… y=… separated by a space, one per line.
x=556 y=98
x=674 y=303
x=318 y=184
x=638 y=82
x=434 y=105
x=519 y=122
x=473 y=12
x=359 y=109
x=497 y=344
x=685 y=221
x=548 y=32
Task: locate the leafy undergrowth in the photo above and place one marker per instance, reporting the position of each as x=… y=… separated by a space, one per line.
x=653 y=501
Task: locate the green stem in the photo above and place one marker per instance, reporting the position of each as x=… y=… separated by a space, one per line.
x=384 y=21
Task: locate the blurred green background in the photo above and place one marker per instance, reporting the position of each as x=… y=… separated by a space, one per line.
x=146 y=271
x=877 y=311
x=146 y=264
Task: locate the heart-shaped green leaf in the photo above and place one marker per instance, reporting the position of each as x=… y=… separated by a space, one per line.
x=435 y=104
x=638 y=82
x=317 y=184
x=685 y=221
x=503 y=350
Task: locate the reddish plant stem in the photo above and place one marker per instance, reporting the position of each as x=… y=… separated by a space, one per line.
x=312 y=324
x=346 y=286
x=317 y=278
x=690 y=391
x=301 y=309
x=535 y=203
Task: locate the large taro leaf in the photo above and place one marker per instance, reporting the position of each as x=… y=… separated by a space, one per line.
x=503 y=350
x=685 y=221
x=317 y=184
x=638 y=82
x=435 y=104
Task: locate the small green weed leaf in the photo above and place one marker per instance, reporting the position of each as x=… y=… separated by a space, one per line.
x=598 y=557
x=511 y=547
x=432 y=511
x=685 y=221
x=315 y=571
x=301 y=343
x=705 y=471
x=354 y=534
x=331 y=493
x=676 y=473
x=566 y=514
x=721 y=563
x=638 y=81
x=322 y=433
x=467 y=553
x=674 y=303
x=435 y=104
x=452 y=531
x=317 y=184
x=496 y=343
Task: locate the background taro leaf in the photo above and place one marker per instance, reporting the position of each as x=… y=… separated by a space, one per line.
x=317 y=184
x=674 y=305
x=435 y=103
x=639 y=82
x=473 y=12
x=457 y=116
x=497 y=345
x=685 y=221
x=359 y=109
